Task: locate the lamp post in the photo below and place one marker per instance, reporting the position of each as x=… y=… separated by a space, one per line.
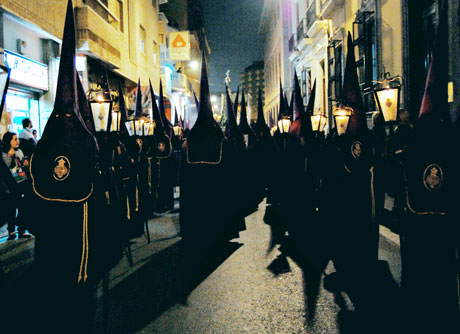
x=342 y=116
x=387 y=98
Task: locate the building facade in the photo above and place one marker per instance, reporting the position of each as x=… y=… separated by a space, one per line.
x=393 y=37
x=122 y=36
x=275 y=26
x=251 y=80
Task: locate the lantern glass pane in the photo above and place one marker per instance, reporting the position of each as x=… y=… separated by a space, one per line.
x=315 y=122
x=177 y=130
x=151 y=128
x=322 y=123
x=388 y=99
x=139 y=126
x=100 y=115
x=130 y=127
x=115 y=126
x=146 y=128
x=341 y=122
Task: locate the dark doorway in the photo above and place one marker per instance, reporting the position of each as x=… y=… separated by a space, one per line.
x=422 y=20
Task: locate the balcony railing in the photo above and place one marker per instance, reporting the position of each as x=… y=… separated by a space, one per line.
x=311 y=16
x=301 y=30
x=292 y=41
x=178 y=82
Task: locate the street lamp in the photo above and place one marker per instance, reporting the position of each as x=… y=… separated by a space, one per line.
x=4 y=82
x=342 y=116
x=101 y=104
x=387 y=98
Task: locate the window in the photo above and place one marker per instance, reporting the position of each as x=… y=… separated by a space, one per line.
x=120 y=15
x=142 y=38
x=335 y=64
x=365 y=40
x=156 y=52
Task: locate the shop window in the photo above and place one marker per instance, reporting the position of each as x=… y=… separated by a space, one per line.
x=364 y=39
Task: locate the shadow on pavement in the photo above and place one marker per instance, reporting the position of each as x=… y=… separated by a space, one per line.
x=167 y=279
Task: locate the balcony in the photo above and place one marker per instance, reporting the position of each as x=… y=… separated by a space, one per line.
x=103 y=11
x=301 y=31
x=302 y=37
x=179 y=82
x=96 y=36
x=311 y=16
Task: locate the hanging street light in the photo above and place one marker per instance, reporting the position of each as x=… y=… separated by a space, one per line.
x=342 y=116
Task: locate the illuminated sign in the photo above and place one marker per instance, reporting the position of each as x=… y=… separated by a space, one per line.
x=179 y=45
x=26 y=71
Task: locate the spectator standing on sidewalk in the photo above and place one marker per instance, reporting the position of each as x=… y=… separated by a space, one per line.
x=14 y=160
x=27 y=141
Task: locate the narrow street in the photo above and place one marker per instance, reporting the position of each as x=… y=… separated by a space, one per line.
x=240 y=296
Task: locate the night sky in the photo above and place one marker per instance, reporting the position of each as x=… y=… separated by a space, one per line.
x=232 y=27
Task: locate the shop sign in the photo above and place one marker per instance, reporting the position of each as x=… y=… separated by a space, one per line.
x=26 y=71
x=179 y=45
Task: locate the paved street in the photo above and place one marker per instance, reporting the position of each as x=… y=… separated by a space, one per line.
x=240 y=296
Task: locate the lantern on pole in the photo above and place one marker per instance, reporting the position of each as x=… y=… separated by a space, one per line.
x=342 y=116
x=284 y=124
x=387 y=98
x=101 y=104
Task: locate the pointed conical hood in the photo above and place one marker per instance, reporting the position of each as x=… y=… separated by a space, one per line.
x=166 y=122
x=138 y=113
x=301 y=127
x=177 y=121
x=260 y=110
x=197 y=103
x=122 y=109
x=67 y=147
x=244 y=125
x=204 y=142
x=434 y=102
x=232 y=130
x=351 y=92
x=283 y=108
x=235 y=105
x=155 y=111
x=260 y=128
x=291 y=105
x=311 y=102
x=231 y=119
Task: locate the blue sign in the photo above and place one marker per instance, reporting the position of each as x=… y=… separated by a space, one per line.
x=26 y=71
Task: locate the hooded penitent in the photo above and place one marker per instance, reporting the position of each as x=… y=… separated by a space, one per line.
x=260 y=127
x=161 y=106
x=232 y=131
x=204 y=142
x=65 y=158
x=248 y=133
x=351 y=92
x=301 y=127
x=431 y=196
x=63 y=170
